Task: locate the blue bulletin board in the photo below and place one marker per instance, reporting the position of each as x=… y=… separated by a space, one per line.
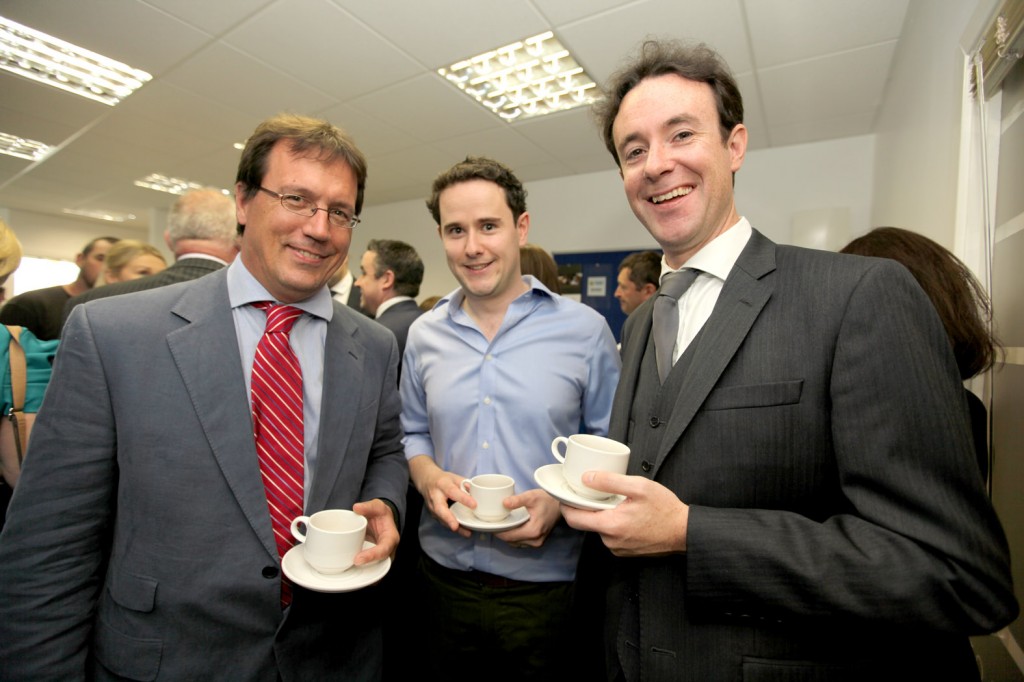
x=593 y=276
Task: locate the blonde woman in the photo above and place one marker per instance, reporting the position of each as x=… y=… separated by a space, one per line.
x=10 y=256
x=130 y=259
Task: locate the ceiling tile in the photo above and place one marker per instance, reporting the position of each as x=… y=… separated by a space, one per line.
x=804 y=29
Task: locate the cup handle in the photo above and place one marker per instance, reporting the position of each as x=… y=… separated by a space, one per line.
x=554 y=448
x=304 y=520
x=464 y=484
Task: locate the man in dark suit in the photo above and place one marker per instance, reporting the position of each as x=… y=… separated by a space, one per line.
x=391 y=274
x=201 y=234
x=802 y=500
x=344 y=290
x=145 y=537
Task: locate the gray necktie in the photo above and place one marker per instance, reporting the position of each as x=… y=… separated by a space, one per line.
x=666 y=316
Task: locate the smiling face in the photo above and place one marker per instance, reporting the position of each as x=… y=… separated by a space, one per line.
x=481 y=241
x=676 y=169
x=292 y=255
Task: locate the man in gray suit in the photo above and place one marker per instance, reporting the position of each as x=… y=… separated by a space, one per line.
x=802 y=500
x=201 y=234
x=140 y=542
x=391 y=273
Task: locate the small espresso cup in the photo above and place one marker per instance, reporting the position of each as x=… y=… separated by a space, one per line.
x=331 y=540
x=586 y=452
x=489 y=491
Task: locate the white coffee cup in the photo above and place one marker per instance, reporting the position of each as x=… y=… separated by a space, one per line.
x=331 y=540
x=489 y=491
x=586 y=452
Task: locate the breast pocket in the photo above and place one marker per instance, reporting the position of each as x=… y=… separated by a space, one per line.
x=755 y=395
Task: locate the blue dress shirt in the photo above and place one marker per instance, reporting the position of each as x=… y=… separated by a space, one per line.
x=482 y=407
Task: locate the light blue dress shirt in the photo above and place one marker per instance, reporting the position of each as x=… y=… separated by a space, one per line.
x=308 y=338
x=482 y=407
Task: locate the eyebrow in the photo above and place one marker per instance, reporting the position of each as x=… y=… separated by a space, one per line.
x=671 y=122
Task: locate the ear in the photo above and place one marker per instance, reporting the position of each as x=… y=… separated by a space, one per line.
x=241 y=203
x=737 y=144
x=648 y=289
x=387 y=280
x=523 y=226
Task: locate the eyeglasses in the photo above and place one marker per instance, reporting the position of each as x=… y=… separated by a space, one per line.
x=300 y=205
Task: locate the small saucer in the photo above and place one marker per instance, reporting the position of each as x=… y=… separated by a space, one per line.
x=468 y=519
x=550 y=478
x=301 y=573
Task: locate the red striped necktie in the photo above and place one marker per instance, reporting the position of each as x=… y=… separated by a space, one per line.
x=277 y=424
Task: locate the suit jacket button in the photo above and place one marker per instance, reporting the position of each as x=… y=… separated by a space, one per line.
x=655 y=422
x=646 y=466
x=270 y=572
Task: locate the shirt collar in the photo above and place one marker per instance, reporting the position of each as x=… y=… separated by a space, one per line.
x=391 y=302
x=244 y=289
x=719 y=255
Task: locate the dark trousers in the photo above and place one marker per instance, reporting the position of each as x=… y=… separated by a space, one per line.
x=479 y=625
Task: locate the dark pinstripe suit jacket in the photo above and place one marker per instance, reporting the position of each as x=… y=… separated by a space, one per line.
x=838 y=526
x=181 y=271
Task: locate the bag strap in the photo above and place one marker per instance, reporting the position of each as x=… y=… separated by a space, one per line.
x=18 y=386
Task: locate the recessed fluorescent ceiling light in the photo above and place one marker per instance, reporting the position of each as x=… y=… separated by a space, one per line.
x=48 y=60
x=22 y=148
x=162 y=183
x=102 y=215
x=533 y=77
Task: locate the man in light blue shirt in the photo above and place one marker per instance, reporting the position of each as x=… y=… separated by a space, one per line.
x=492 y=374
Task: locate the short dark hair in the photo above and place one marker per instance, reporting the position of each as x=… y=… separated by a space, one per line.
x=305 y=135
x=401 y=259
x=661 y=58
x=93 y=242
x=479 y=168
x=957 y=295
x=644 y=268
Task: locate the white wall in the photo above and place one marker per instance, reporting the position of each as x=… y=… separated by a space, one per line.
x=774 y=189
x=918 y=130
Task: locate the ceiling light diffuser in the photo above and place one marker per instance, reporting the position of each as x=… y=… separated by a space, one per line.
x=529 y=78
x=102 y=215
x=12 y=145
x=52 y=61
x=162 y=183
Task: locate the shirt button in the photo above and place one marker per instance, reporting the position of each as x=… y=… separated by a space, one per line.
x=646 y=466
x=487 y=400
x=485 y=445
x=488 y=357
x=270 y=572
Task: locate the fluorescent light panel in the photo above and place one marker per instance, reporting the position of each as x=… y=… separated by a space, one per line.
x=102 y=215
x=51 y=61
x=532 y=77
x=12 y=145
x=163 y=183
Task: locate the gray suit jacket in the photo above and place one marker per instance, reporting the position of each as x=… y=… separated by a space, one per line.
x=139 y=543
x=838 y=527
x=182 y=270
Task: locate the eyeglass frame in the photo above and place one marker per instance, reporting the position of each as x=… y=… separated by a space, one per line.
x=312 y=208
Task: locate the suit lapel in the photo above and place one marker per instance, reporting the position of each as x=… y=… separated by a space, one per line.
x=743 y=296
x=344 y=355
x=205 y=351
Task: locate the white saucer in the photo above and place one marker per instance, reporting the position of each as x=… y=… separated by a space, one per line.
x=301 y=573
x=468 y=519
x=550 y=478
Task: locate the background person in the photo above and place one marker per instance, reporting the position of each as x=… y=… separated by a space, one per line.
x=202 y=234
x=959 y=299
x=639 y=277
x=130 y=259
x=535 y=260
x=145 y=537
x=803 y=499
x=42 y=310
x=497 y=370
x=389 y=284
